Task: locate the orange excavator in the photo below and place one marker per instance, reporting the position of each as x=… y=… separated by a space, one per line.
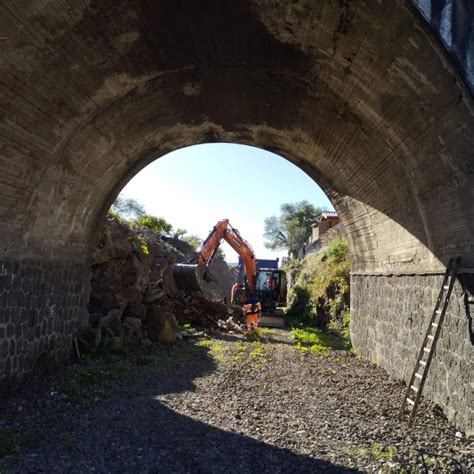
x=189 y=275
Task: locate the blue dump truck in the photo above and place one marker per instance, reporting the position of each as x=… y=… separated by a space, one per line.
x=271 y=283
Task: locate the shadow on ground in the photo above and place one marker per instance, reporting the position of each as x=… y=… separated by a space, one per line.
x=266 y=336
x=131 y=431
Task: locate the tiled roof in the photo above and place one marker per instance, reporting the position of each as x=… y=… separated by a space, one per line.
x=327 y=214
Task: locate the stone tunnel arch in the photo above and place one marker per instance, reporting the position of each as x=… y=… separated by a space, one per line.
x=362 y=98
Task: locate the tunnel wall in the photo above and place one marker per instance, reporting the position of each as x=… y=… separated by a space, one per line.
x=42 y=307
x=357 y=94
x=389 y=318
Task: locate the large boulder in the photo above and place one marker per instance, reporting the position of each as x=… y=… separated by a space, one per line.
x=120 y=269
x=160 y=324
x=133 y=291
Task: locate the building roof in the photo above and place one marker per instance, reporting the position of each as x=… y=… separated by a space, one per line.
x=324 y=216
x=328 y=215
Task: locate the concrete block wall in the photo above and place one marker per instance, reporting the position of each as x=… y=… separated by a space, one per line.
x=389 y=318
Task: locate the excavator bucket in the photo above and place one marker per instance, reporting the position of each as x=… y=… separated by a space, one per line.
x=188 y=276
x=208 y=276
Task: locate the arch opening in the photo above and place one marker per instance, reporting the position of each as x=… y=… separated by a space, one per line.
x=362 y=99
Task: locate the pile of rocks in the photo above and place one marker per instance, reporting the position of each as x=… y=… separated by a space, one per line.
x=133 y=292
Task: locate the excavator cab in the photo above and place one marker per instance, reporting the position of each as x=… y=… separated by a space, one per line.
x=271 y=288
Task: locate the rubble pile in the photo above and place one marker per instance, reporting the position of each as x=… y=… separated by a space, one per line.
x=133 y=292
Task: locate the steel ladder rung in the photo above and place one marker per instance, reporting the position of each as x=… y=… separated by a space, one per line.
x=432 y=336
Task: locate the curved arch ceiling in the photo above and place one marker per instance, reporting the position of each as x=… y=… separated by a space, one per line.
x=355 y=93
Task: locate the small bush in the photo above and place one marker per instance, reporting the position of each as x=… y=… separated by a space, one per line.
x=153 y=223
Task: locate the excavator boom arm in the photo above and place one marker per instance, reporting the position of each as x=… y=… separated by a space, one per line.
x=224 y=231
x=244 y=249
x=211 y=244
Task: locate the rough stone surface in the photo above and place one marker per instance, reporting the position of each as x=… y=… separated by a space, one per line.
x=389 y=318
x=132 y=277
x=357 y=94
x=42 y=306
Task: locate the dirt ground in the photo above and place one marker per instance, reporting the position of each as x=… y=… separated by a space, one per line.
x=223 y=404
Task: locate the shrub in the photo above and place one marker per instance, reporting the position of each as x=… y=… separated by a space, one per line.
x=320 y=294
x=155 y=224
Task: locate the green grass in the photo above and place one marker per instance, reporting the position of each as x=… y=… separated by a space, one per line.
x=376 y=452
x=215 y=348
x=316 y=341
x=249 y=353
x=263 y=331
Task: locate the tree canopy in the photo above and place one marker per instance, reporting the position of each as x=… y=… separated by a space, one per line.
x=193 y=240
x=131 y=212
x=292 y=227
x=153 y=223
x=128 y=208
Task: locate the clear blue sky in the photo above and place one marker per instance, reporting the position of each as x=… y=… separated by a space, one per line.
x=195 y=187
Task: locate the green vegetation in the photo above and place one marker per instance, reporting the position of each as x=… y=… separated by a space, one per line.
x=104 y=364
x=143 y=244
x=185 y=327
x=251 y=354
x=292 y=227
x=131 y=213
x=320 y=295
x=179 y=233
x=376 y=452
x=153 y=223
x=317 y=341
x=193 y=240
x=114 y=215
x=127 y=208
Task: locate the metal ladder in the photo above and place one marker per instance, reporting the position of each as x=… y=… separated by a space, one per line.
x=415 y=387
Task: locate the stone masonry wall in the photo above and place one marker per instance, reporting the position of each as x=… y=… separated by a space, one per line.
x=41 y=306
x=389 y=317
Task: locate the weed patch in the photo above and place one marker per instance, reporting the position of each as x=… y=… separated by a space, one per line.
x=215 y=348
x=376 y=452
x=249 y=353
x=316 y=341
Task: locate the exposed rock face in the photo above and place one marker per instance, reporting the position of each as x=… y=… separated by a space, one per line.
x=133 y=292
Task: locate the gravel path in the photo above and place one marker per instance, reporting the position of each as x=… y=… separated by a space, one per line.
x=223 y=404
